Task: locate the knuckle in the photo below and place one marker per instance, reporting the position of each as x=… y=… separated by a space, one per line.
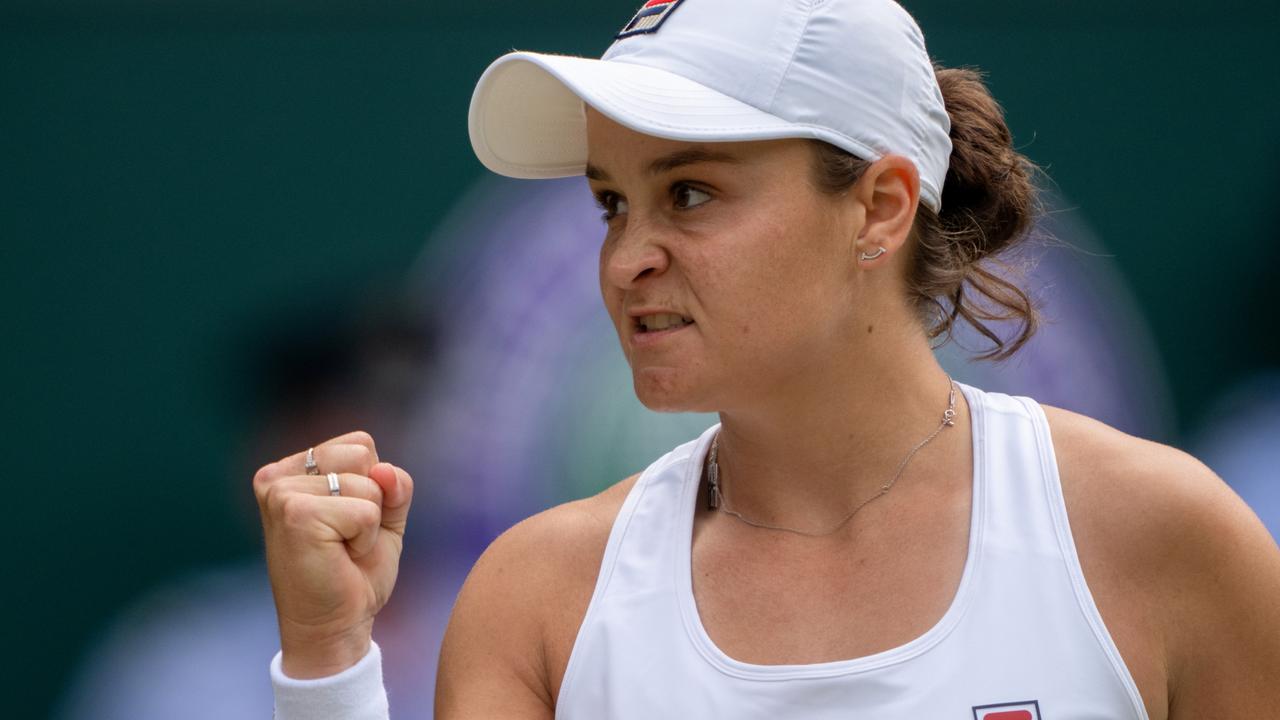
x=273 y=498
x=368 y=514
x=266 y=490
x=364 y=456
x=262 y=479
x=294 y=509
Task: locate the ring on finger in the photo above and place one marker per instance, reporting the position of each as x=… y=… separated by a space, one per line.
x=334 y=488
x=310 y=465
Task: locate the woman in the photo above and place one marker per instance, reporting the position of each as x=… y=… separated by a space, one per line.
x=797 y=203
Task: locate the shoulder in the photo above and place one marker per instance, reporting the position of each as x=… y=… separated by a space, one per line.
x=520 y=607
x=1174 y=556
x=1101 y=464
x=1152 y=509
x=560 y=545
x=1143 y=491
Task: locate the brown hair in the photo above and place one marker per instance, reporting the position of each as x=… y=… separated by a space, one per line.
x=989 y=202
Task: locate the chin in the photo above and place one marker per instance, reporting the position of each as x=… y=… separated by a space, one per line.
x=668 y=390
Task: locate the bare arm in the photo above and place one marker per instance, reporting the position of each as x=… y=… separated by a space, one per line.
x=1186 y=577
x=1225 y=606
x=518 y=614
x=491 y=661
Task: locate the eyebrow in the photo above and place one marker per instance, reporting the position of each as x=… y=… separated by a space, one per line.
x=670 y=162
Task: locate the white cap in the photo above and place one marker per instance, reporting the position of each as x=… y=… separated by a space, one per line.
x=854 y=73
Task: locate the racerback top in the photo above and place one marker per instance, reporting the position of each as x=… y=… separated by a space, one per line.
x=1021 y=640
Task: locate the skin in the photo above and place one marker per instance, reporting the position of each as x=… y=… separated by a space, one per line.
x=812 y=358
x=332 y=561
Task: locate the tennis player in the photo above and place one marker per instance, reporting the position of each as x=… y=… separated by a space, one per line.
x=797 y=202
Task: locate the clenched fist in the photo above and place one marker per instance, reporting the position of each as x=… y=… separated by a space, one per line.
x=333 y=560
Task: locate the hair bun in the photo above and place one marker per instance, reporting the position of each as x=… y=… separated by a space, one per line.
x=989 y=202
x=988 y=192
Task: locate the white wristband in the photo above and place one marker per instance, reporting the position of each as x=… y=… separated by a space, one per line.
x=353 y=694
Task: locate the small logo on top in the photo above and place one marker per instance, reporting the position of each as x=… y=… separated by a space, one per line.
x=1024 y=710
x=649 y=18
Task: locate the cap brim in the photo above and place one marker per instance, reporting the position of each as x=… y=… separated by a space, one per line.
x=528 y=120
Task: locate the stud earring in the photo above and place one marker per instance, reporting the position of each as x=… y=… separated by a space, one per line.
x=864 y=256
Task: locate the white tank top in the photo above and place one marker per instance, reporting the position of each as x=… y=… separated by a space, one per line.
x=1022 y=639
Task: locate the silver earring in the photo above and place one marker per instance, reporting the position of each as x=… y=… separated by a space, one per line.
x=864 y=256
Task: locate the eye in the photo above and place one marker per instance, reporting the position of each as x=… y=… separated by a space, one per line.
x=687 y=196
x=611 y=203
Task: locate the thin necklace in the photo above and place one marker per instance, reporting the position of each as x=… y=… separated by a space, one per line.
x=717 y=500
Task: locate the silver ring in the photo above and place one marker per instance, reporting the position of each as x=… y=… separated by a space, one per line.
x=310 y=465
x=334 y=489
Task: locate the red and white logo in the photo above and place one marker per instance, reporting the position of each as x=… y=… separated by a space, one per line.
x=649 y=18
x=1025 y=710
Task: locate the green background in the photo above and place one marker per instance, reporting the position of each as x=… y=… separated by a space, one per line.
x=173 y=172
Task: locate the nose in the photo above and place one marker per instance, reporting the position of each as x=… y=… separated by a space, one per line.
x=632 y=254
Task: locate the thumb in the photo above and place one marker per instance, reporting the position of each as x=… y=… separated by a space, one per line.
x=397 y=493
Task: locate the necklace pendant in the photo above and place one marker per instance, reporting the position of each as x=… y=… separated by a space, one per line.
x=713 y=482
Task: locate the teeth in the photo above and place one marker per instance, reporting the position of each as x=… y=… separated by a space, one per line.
x=663 y=321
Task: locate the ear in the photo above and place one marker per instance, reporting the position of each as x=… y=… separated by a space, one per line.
x=890 y=192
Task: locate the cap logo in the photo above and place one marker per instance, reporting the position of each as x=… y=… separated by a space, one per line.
x=649 y=18
x=1025 y=710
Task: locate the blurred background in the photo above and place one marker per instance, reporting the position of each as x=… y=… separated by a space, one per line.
x=232 y=229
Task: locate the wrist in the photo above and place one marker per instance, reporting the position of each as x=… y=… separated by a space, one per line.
x=306 y=654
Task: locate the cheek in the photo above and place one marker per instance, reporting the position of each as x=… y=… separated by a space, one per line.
x=782 y=280
x=612 y=298
x=609 y=294
x=772 y=266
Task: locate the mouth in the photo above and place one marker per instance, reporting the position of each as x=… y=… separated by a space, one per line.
x=658 y=322
x=654 y=326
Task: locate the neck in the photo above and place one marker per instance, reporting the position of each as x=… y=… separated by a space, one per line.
x=820 y=444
